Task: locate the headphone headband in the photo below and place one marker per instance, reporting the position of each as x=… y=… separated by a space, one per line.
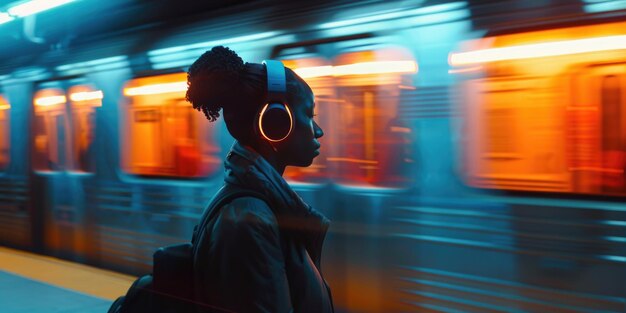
x=276 y=88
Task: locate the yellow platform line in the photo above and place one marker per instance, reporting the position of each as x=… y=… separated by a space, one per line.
x=82 y=278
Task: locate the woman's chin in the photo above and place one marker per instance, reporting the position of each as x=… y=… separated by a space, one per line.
x=306 y=161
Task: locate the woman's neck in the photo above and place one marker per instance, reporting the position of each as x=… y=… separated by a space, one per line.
x=271 y=156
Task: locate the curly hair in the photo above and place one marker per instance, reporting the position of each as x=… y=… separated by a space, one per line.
x=205 y=80
x=219 y=79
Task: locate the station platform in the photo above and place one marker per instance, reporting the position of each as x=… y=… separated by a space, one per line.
x=34 y=283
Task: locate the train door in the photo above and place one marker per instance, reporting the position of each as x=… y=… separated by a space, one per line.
x=374 y=161
x=364 y=152
x=598 y=129
x=170 y=166
x=63 y=161
x=14 y=219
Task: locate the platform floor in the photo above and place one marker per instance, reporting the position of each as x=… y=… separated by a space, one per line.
x=35 y=283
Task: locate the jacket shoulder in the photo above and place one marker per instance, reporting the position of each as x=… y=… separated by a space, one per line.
x=248 y=210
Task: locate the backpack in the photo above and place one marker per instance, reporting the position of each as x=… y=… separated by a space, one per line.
x=170 y=286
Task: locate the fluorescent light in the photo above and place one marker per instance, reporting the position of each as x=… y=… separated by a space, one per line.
x=5 y=107
x=120 y=59
x=380 y=67
x=209 y=44
x=5 y=17
x=52 y=100
x=539 y=50
x=156 y=89
x=396 y=15
x=592 y=6
x=314 y=71
x=35 y=6
x=86 y=95
x=363 y=68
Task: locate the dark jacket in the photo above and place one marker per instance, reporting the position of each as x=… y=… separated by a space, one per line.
x=258 y=256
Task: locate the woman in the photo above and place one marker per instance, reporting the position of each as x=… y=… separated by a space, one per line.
x=260 y=254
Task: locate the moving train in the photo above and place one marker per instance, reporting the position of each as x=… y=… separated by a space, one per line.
x=473 y=157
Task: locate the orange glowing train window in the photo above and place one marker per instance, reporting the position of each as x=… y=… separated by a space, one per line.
x=374 y=144
x=83 y=103
x=548 y=112
x=50 y=142
x=4 y=133
x=357 y=97
x=162 y=135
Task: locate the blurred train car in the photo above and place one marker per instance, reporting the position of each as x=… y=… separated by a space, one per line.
x=473 y=157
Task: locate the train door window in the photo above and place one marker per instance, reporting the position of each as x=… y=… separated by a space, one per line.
x=50 y=130
x=162 y=134
x=83 y=102
x=5 y=128
x=374 y=146
x=613 y=135
x=312 y=70
x=601 y=170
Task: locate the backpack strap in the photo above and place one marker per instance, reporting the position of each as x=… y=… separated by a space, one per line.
x=227 y=193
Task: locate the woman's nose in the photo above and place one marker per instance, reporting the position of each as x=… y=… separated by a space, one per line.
x=318 y=130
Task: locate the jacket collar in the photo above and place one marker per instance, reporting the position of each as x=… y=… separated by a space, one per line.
x=246 y=168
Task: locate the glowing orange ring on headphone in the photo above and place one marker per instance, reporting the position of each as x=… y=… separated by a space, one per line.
x=261 y=124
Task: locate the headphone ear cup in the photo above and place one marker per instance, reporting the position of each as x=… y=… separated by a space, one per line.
x=275 y=122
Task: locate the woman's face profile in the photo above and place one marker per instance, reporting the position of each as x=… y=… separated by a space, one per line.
x=301 y=146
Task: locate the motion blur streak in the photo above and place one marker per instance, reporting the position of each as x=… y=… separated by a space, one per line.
x=156 y=89
x=540 y=50
x=365 y=68
x=36 y=6
x=5 y=17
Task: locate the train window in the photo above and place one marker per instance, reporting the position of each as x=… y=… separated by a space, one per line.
x=83 y=102
x=515 y=135
x=50 y=130
x=374 y=145
x=162 y=134
x=4 y=133
x=357 y=95
x=552 y=123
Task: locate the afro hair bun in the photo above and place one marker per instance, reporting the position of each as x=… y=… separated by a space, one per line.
x=212 y=80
